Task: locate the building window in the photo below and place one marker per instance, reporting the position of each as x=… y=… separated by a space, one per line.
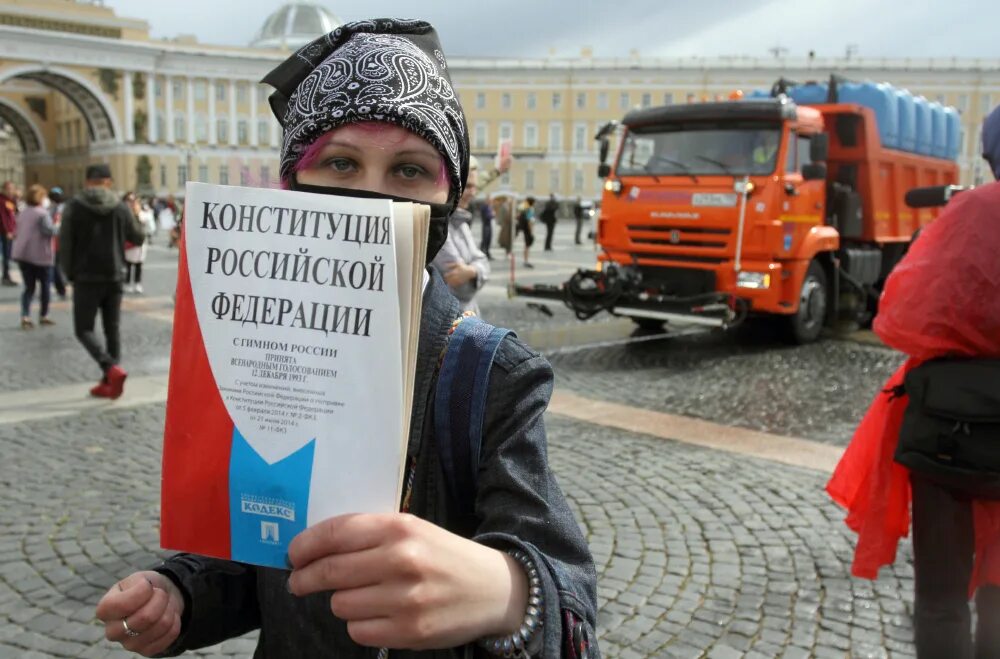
x=179 y=134
x=182 y=175
x=580 y=138
x=623 y=101
x=555 y=137
x=242 y=92
x=530 y=136
x=480 y=100
x=222 y=129
x=178 y=90
x=554 y=181
x=200 y=129
x=505 y=102
x=581 y=100
x=200 y=90
x=602 y=100
x=556 y=100
x=220 y=91
x=163 y=176
x=647 y=100
x=506 y=131
x=480 y=139
x=203 y=173
x=263 y=131
x=532 y=100
x=505 y=179
x=262 y=94
x=223 y=174
x=668 y=98
x=985 y=104
x=529 y=180
x=578 y=181
x=242 y=132
x=157 y=88
x=265 y=176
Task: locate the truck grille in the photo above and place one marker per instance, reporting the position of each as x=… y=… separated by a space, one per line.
x=673 y=236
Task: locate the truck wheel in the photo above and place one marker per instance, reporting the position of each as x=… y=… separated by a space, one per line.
x=807 y=323
x=648 y=324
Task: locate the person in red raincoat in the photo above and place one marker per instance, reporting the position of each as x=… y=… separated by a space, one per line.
x=942 y=300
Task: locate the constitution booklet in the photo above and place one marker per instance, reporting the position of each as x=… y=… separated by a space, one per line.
x=291 y=369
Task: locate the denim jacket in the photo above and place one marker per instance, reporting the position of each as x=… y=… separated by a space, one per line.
x=518 y=506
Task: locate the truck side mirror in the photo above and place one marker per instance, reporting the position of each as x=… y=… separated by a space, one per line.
x=603 y=170
x=814 y=171
x=819 y=147
x=604 y=150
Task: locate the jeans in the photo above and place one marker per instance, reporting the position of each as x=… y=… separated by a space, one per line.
x=88 y=299
x=56 y=276
x=134 y=273
x=5 y=246
x=943 y=547
x=549 y=230
x=34 y=274
x=487 y=237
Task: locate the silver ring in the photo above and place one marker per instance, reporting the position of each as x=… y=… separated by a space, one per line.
x=131 y=633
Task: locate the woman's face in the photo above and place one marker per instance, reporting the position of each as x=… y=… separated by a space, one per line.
x=379 y=158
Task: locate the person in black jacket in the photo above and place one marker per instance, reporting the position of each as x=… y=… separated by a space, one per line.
x=428 y=582
x=549 y=220
x=95 y=226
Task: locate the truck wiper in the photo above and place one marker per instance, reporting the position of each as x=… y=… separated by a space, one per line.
x=676 y=163
x=717 y=163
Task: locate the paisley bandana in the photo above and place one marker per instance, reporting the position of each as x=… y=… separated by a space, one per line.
x=388 y=70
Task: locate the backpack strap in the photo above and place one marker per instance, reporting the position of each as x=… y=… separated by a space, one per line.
x=460 y=405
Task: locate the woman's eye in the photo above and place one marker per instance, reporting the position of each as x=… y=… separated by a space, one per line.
x=340 y=164
x=410 y=171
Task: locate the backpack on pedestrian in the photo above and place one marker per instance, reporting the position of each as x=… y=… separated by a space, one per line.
x=951 y=426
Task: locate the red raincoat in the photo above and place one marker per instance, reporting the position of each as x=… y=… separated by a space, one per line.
x=943 y=299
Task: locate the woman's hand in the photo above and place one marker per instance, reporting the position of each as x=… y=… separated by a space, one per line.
x=150 y=604
x=459 y=273
x=403 y=582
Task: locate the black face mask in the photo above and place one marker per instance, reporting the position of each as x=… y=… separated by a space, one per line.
x=438 y=232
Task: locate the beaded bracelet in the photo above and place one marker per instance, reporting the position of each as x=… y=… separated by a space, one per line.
x=515 y=645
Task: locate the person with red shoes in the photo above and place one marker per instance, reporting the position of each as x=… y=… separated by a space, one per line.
x=8 y=223
x=95 y=226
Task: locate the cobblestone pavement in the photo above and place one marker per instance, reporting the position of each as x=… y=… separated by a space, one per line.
x=700 y=553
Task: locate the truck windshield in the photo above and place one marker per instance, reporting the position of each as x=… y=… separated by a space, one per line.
x=701 y=149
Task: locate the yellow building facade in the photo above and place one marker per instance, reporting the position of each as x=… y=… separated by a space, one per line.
x=79 y=84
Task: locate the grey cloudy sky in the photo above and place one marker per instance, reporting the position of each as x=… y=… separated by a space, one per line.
x=531 y=28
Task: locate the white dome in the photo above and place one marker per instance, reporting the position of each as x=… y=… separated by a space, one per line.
x=294 y=25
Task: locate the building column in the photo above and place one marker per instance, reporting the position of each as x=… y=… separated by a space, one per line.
x=129 y=109
x=275 y=140
x=190 y=112
x=168 y=98
x=151 y=135
x=213 y=137
x=234 y=137
x=253 y=114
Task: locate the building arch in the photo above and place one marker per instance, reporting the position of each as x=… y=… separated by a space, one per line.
x=99 y=115
x=27 y=131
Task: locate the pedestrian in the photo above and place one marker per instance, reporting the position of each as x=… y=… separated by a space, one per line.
x=168 y=221
x=503 y=209
x=8 y=215
x=487 y=214
x=549 y=220
x=95 y=228
x=933 y=309
x=135 y=255
x=526 y=225
x=578 y=213
x=464 y=267
x=58 y=200
x=428 y=581
x=32 y=250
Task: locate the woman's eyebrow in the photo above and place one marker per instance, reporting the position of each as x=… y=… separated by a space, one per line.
x=416 y=152
x=343 y=145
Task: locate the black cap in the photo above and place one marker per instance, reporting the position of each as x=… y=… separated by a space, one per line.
x=98 y=172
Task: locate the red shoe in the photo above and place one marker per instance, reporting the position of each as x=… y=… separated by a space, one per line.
x=102 y=390
x=116 y=380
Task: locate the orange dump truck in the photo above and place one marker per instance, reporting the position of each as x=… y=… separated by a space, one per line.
x=716 y=211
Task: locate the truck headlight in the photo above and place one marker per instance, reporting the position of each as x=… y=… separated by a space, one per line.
x=753 y=280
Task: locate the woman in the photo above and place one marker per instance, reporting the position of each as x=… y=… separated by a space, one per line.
x=135 y=255
x=370 y=107
x=464 y=266
x=526 y=225
x=32 y=251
